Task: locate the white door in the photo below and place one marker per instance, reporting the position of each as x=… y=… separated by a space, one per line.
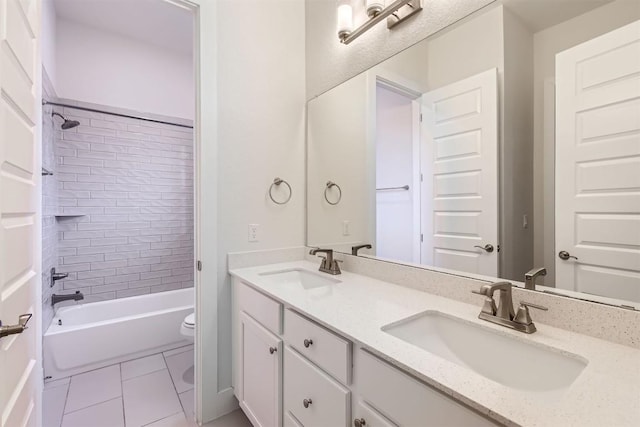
x=261 y=355
x=460 y=175
x=598 y=165
x=19 y=279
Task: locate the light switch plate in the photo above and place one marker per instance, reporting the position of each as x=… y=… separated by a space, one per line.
x=345 y=228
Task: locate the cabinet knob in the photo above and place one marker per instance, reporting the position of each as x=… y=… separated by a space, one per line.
x=359 y=422
x=272 y=350
x=306 y=402
x=308 y=343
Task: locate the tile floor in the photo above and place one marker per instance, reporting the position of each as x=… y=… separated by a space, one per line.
x=155 y=391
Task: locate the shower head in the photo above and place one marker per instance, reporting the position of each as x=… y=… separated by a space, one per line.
x=68 y=124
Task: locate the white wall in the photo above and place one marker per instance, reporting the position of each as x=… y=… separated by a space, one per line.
x=329 y=62
x=338 y=147
x=516 y=170
x=547 y=44
x=48 y=47
x=261 y=111
x=395 y=233
x=106 y=68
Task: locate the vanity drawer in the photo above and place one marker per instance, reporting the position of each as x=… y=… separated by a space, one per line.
x=328 y=350
x=262 y=308
x=370 y=416
x=328 y=401
x=407 y=401
x=290 y=420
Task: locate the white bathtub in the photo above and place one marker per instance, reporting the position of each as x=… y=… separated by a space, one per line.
x=100 y=334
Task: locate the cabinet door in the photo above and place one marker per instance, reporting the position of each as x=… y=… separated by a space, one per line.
x=261 y=356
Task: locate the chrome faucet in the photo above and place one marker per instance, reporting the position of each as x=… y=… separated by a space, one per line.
x=504 y=315
x=55 y=299
x=531 y=276
x=328 y=264
x=355 y=249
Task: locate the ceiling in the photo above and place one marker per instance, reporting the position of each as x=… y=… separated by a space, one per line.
x=158 y=22
x=536 y=13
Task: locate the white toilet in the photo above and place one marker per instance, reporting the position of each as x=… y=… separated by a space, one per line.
x=188 y=326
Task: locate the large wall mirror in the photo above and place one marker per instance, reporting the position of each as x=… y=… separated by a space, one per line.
x=507 y=142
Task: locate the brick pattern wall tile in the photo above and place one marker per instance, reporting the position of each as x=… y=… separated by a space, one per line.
x=132 y=181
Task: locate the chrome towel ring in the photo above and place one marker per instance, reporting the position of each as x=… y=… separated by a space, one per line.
x=276 y=182
x=327 y=188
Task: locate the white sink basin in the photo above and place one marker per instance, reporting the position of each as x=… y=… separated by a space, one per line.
x=301 y=277
x=506 y=360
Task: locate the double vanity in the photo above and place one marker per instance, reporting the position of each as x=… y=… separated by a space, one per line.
x=314 y=349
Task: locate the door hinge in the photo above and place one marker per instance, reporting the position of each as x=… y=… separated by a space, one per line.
x=199 y=265
x=421 y=178
x=420 y=117
x=421 y=238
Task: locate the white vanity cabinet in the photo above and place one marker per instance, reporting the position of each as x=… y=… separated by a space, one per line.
x=406 y=401
x=261 y=374
x=257 y=355
x=290 y=371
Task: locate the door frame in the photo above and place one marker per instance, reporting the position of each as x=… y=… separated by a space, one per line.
x=410 y=89
x=210 y=402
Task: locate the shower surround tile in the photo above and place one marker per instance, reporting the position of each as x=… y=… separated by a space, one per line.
x=132 y=182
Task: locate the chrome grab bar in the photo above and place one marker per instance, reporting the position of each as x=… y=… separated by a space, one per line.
x=404 y=187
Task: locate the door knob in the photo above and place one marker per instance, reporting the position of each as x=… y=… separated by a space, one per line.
x=272 y=350
x=15 y=329
x=487 y=248
x=307 y=343
x=359 y=422
x=306 y=402
x=564 y=255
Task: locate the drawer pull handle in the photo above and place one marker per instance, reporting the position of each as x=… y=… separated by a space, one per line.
x=272 y=350
x=359 y=422
x=308 y=343
x=306 y=402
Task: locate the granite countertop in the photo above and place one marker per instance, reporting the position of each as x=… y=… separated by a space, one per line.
x=606 y=393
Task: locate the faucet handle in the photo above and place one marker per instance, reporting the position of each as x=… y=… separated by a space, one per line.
x=523 y=317
x=536 y=306
x=489 y=306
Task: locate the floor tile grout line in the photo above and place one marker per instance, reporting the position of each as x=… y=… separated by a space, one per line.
x=147 y=373
x=66 y=399
x=91 y=406
x=124 y=414
x=173 y=382
x=174 y=385
x=163 y=418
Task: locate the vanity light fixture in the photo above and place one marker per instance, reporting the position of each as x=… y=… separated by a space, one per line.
x=398 y=11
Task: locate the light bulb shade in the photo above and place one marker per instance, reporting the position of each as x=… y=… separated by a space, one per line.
x=374 y=7
x=345 y=19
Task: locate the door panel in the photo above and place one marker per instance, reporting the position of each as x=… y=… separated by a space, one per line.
x=19 y=280
x=460 y=170
x=261 y=373
x=598 y=165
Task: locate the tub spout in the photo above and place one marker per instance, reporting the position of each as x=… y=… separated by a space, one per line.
x=55 y=299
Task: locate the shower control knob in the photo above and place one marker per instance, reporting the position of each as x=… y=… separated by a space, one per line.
x=359 y=422
x=307 y=343
x=272 y=350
